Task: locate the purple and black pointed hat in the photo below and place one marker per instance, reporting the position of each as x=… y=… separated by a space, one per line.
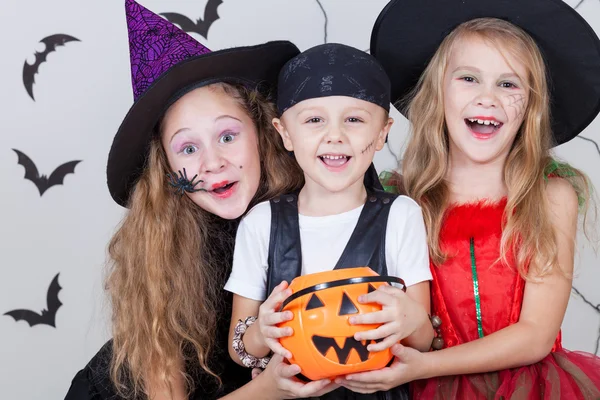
x=167 y=63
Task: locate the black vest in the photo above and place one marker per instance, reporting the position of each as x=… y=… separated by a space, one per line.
x=365 y=247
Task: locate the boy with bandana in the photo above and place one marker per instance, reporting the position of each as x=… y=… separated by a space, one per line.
x=333 y=102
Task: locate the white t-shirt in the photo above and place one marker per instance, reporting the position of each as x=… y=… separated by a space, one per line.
x=323 y=239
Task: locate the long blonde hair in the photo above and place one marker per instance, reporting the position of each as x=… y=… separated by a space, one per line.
x=164 y=279
x=527 y=231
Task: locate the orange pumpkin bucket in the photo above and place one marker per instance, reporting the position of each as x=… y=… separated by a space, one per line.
x=323 y=343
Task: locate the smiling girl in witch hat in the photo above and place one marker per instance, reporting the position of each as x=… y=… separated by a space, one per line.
x=503 y=82
x=187 y=161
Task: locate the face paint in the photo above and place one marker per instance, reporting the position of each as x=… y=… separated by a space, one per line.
x=517 y=102
x=333 y=139
x=485 y=100
x=208 y=132
x=369 y=147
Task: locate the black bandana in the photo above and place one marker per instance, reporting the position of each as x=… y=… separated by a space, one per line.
x=332 y=70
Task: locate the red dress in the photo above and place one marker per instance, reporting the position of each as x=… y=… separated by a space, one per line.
x=471 y=232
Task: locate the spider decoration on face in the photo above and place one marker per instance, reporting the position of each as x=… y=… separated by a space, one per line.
x=182 y=184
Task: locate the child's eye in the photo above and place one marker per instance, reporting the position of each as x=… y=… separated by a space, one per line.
x=468 y=79
x=354 y=119
x=189 y=149
x=314 y=120
x=227 y=137
x=508 y=85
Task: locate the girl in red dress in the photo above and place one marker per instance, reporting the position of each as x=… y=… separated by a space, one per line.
x=504 y=82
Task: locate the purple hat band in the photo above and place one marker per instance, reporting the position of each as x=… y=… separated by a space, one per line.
x=155 y=45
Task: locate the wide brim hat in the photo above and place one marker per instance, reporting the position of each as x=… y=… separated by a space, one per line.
x=165 y=64
x=407 y=33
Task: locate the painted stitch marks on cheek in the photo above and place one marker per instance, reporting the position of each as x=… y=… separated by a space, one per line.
x=369 y=147
x=517 y=102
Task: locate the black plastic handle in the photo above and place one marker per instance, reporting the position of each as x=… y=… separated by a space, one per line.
x=342 y=282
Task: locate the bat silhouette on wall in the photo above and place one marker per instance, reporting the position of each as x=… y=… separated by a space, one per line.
x=51 y=42
x=48 y=316
x=44 y=183
x=200 y=26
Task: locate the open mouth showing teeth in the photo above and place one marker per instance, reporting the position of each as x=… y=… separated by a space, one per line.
x=483 y=126
x=334 y=160
x=224 y=188
x=323 y=344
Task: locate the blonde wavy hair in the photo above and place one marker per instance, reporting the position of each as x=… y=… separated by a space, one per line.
x=163 y=281
x=527 y=230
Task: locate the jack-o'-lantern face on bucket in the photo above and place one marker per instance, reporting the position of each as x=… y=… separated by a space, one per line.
x=323 y=343
x=343 y=341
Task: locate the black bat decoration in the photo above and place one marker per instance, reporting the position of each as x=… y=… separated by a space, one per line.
x=43 y=183
x=51 y=42
x=200 y=26
x=48 y=316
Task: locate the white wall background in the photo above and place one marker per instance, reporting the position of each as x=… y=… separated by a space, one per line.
x=81 y=94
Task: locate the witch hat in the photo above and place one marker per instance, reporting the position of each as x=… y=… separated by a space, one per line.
x=403 y=43
x=166 y=63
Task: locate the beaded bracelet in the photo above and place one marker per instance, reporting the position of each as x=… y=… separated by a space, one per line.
x=438 y=341
x=248 y=360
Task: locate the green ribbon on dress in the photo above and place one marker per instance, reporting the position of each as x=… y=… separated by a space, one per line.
x=565 y=171
x=476 y=289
